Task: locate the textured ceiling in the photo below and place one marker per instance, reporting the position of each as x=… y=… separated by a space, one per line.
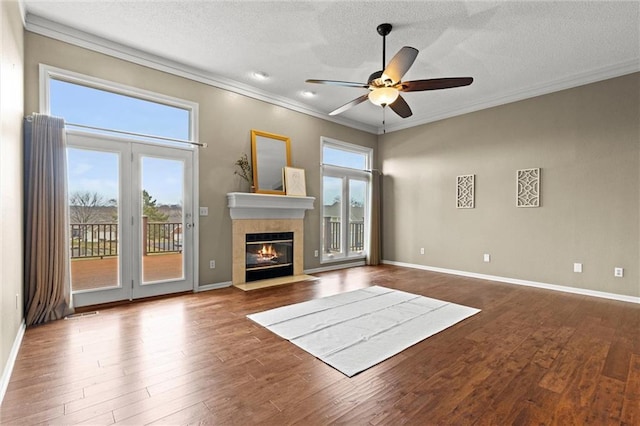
x=513 y=50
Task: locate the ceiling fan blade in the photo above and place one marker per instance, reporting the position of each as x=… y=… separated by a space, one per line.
x=400 y=107
x=434 y=84
x=353 y=103
x=339 y=83
x=400 y=64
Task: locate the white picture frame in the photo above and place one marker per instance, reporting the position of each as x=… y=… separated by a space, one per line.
x=294 y=182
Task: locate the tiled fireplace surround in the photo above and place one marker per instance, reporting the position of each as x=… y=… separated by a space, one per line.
x=261 y=213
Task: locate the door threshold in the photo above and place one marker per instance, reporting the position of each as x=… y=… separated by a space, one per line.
x=98 y=307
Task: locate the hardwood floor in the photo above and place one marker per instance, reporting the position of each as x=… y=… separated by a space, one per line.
x=530 y=357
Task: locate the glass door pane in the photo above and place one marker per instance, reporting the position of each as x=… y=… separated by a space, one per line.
x=93 y=185
x=332 y=217
x=162 y=228
x=357 y=203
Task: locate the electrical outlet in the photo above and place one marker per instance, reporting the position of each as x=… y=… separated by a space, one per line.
x=577 y=267
x=315 y=253
x=487 y=257
x=618 y=272
x=212 y=264
x=17 y=301
x=204 y=211
x=421 y=250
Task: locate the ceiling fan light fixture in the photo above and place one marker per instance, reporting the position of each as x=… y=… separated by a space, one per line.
x=383 y=96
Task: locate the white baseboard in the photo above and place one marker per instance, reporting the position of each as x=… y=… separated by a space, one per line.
x=554 y=287
x=335 y=267
x=8 y=368
x=214 y=286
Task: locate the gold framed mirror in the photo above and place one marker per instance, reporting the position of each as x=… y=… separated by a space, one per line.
x=270 y=153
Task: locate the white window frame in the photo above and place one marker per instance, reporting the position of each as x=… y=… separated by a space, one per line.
x=47 y=73
x=345 y=173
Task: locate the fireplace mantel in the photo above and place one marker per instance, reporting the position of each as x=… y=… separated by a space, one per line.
x=243 y=205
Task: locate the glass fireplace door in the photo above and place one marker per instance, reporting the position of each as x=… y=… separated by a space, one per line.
x=269 y=255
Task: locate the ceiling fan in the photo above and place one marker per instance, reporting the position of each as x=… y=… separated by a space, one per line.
x=385 y=86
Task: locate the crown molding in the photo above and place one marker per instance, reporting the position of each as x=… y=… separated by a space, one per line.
x=23 y=13
x=575 y=80
x=54 y=30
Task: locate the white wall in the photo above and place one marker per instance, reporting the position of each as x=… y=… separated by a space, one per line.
x=11 y=114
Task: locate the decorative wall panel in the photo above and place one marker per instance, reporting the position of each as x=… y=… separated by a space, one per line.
x=528 y=181
x=465 y=192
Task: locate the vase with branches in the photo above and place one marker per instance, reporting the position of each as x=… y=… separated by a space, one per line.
x=244 y=170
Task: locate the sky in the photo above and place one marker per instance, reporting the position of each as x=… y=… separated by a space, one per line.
x=97 y=171
x=88 y=106
x=332 y=187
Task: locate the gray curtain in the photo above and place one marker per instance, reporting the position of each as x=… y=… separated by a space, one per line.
x=46 y=257
x=374 y=252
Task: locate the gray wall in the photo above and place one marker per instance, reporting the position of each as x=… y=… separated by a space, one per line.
x=11 y=113
x=586 y=140
x=226 y=120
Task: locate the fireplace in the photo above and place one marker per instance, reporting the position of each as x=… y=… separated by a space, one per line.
x=268 y=255
x=260 y=218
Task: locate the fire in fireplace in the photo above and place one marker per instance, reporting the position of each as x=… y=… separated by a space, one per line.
x=269 y=255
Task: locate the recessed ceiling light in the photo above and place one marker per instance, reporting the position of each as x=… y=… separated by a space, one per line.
x=308 y=93
x=259 y=75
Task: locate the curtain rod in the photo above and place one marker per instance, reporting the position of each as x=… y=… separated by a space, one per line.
x=351 y=168
x=123 y=132
x=204 y=145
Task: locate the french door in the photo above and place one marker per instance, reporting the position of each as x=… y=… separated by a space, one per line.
x=345 y=218
x=131 y=219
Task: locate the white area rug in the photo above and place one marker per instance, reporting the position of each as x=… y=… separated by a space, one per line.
x=356 y=330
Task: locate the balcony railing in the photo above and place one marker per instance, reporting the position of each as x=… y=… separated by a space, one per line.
x=333 y=237
x=101 y=239
x=94 y=240
x=163 y=237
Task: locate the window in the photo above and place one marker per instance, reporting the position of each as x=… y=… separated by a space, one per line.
x=99 y=106
x=345 y=200
x=135 y=196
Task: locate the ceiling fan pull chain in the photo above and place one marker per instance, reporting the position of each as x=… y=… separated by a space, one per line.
x=384 y=120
